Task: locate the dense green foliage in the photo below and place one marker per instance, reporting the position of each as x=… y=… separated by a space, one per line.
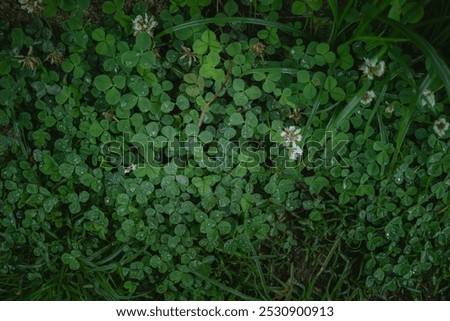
x=142 y=155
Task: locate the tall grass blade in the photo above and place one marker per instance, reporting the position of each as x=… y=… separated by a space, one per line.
x=259 y=269
x=335 y=11
x=406 y=121
x=224 y=20
x=283 y=70
x=375 y=108
x=438 y=64
x=312 y=114
x=224 y=287
x=349 y=109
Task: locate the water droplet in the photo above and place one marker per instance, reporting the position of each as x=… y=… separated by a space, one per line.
x=398 y=180
x=344 y=184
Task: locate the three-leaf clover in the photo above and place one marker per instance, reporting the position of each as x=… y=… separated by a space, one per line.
x=110 y=86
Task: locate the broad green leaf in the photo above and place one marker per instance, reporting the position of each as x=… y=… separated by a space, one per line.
x=299 y=7
x=236 y=119
x=96 y=129
x=240 y=99
x=167 y=106
x=112 y=96
x=206 y=136
x=66 y=170
x=309 y=91
x=130 y=59
x=251 y=119
x=128 y=101
x=143 y=41
x=147 y=60
x=182 y=102
x=109 y=7
x=102 y=82
x=253 y=92
x=119 y=81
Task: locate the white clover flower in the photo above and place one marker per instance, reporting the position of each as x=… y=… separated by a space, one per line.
x=144 y=24
x=259 y=49
x=389 y=108
x=428 y=98
x=55 y=57
x=130 y=168
x=441 y=126
x=380 y=68
x=368 y=97
x=295 y=152
x=189 y=55
x=373 y=67
x=31 y=6
x=291 y=136
x=29 y=61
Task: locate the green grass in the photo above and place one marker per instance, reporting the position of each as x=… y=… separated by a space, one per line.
x=375 y=228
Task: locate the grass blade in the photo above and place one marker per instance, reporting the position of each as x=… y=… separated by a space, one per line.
x=287 y=71
x=383 y=130
x=224 y=287
x=311 y=115
x=438 y=64
x=259 y=269
x=335 y=11
x=224 y=20
x=406 y=121
x=375 y=108
x=349 y=109
x=337 y=29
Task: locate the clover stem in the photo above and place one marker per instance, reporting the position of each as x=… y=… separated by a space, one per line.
x=208 y=104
